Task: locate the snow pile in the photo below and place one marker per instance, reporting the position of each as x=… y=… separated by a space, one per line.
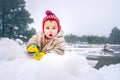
x=16 y=65
x=10 y=49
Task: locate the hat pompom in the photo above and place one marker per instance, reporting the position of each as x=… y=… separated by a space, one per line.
x=48 y=12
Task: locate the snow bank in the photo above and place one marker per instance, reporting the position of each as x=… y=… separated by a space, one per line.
x=10 y=50
x=16 y=65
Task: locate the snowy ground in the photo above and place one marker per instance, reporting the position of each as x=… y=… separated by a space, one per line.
x=15 y=64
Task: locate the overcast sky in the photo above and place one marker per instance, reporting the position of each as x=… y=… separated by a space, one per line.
x=80 y=17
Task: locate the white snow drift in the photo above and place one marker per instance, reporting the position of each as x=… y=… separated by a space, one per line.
x=15 y=64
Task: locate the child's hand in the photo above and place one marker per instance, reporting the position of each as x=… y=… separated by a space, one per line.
x=38 y=55
x=33 y=49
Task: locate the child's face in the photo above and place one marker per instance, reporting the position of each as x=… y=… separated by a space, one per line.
x=50 y=29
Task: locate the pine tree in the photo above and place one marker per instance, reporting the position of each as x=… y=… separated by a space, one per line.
x=14 y=18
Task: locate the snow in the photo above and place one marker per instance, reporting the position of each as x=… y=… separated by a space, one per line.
x=15 y=64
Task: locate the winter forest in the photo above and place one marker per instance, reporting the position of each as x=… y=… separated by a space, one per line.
x=87 y=57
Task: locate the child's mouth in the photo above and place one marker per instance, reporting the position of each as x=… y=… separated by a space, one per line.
x=50 y=35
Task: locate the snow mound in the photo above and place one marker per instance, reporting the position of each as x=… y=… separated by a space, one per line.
x=10 y=49
x=16 y=65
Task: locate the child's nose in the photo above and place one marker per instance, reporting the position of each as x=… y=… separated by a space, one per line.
x=50 y=30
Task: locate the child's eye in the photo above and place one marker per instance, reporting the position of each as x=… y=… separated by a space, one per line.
x=47 y=27
x=54 y=27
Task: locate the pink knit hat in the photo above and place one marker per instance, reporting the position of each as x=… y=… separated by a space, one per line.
x=51 y=16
